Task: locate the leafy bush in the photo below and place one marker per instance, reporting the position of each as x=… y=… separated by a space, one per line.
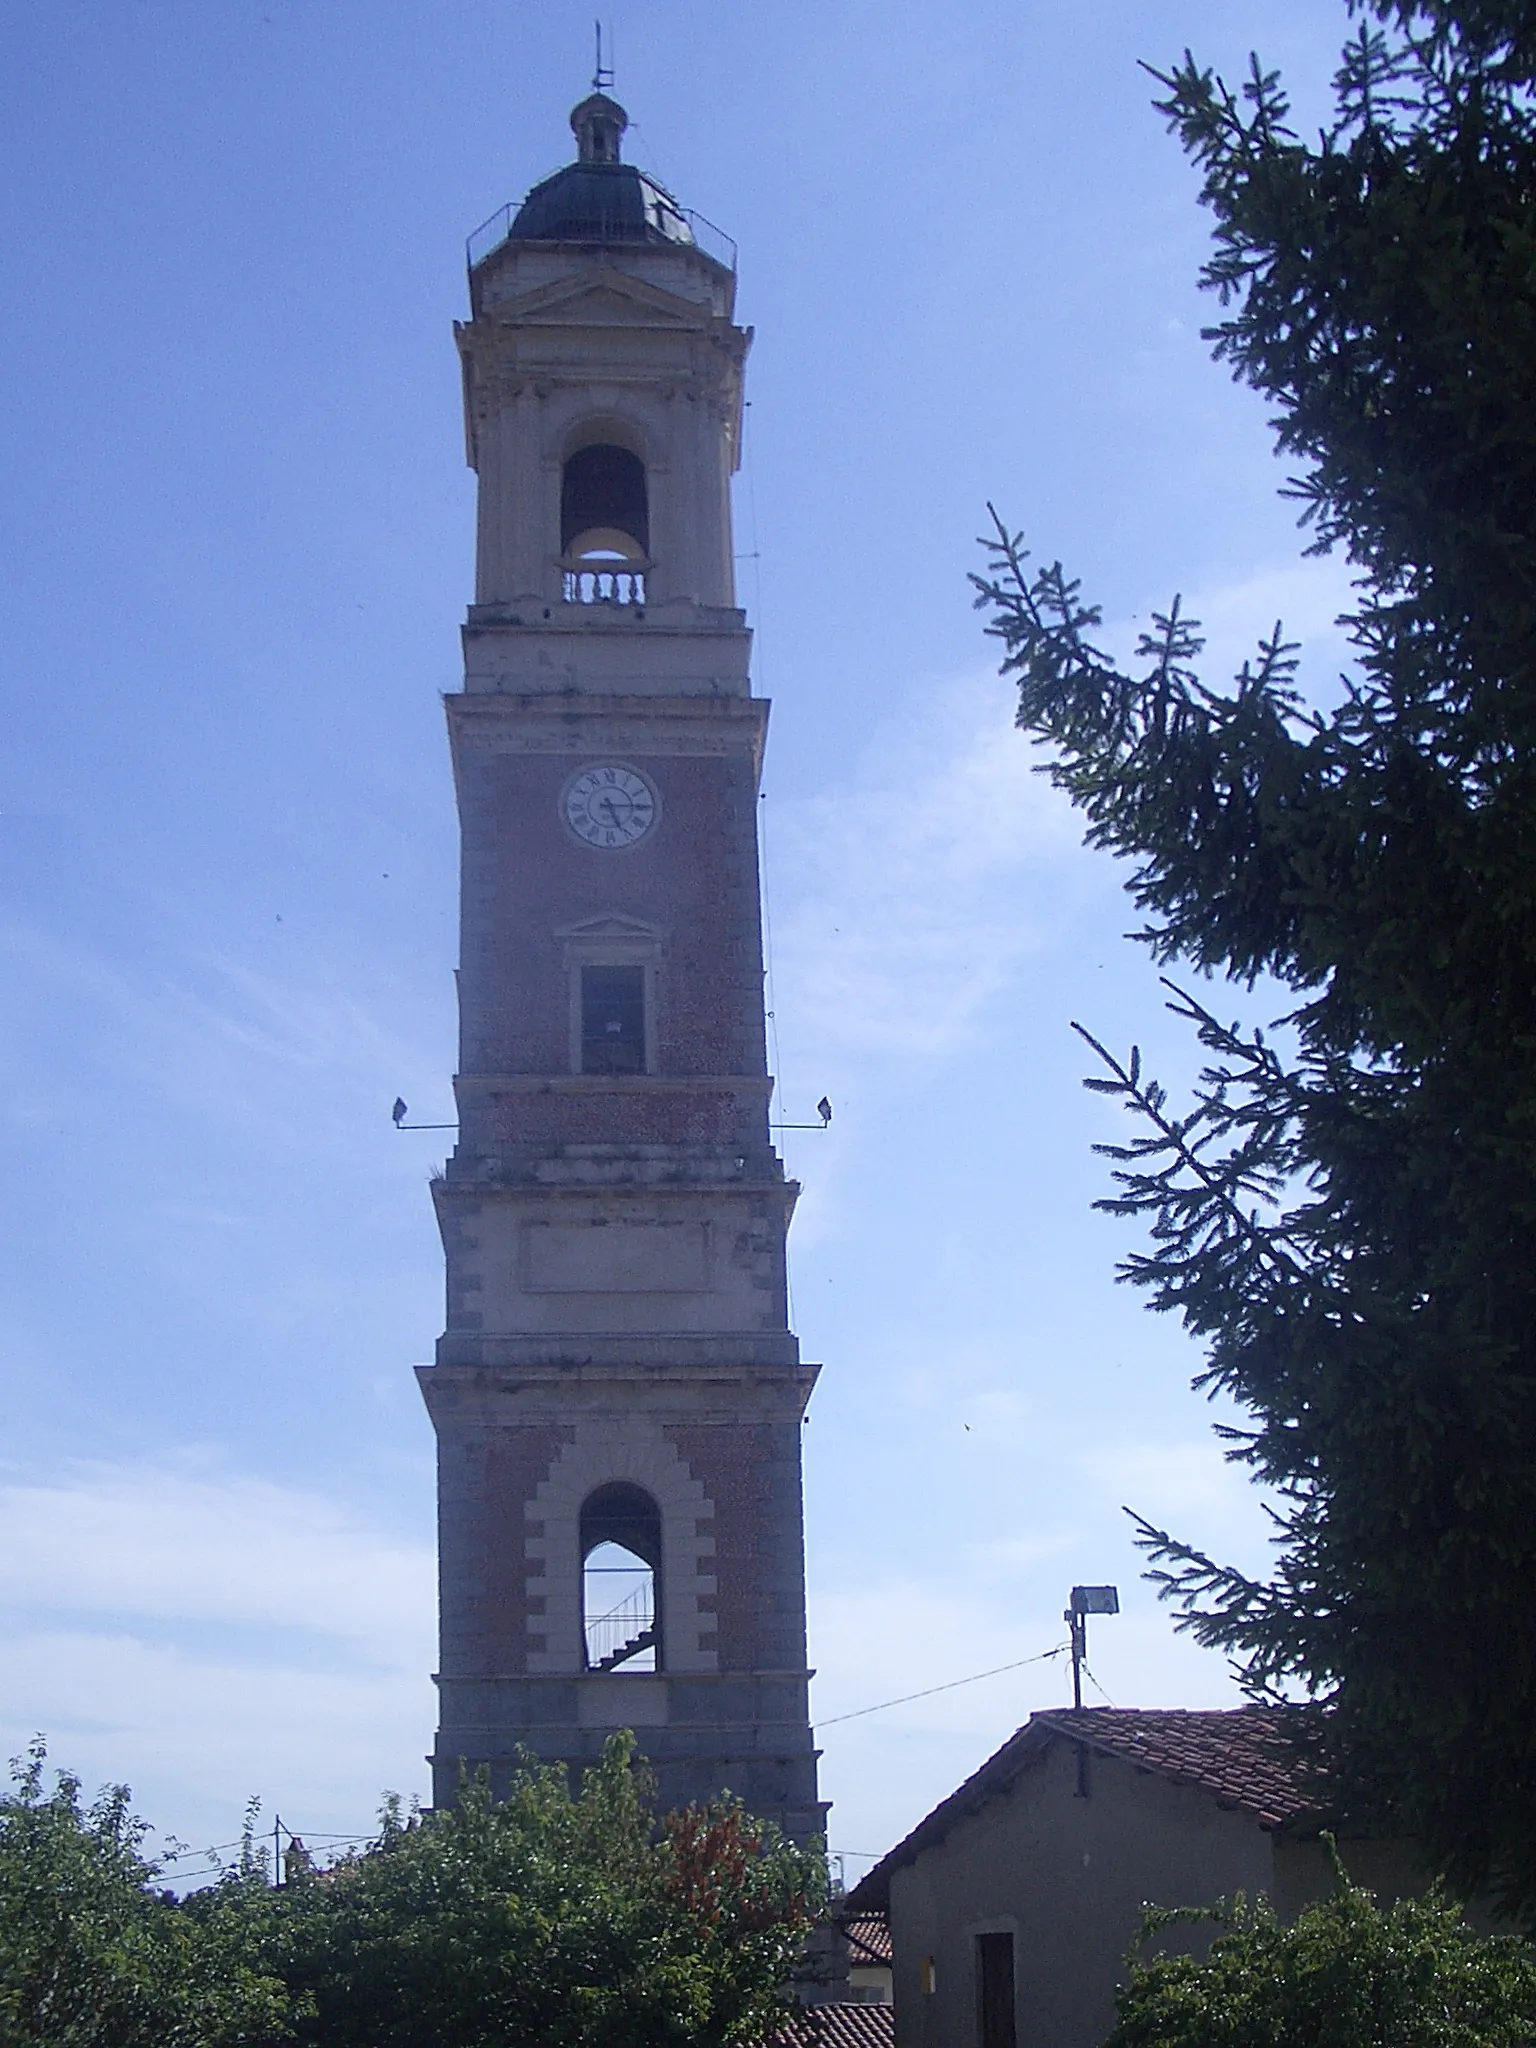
x=544 y=1920
x=1345 y=1975
x=91 y=1956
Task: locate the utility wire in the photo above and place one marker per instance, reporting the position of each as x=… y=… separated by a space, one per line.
x=1103 y=1695
x=173 y=1871
x=929 y=1690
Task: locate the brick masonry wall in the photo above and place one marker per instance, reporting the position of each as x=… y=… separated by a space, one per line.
x=485 y=1477
x=525 y=877
x=710 y=1117
x=751 y=1472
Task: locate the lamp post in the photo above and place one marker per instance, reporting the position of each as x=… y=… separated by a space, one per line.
x=1086 y=1600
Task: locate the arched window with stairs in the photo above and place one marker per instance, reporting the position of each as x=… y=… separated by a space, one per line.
x=621 y=1579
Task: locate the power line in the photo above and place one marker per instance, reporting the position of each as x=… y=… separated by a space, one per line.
x=929 y=1690
x=1103 y=1695
x=174 y=1872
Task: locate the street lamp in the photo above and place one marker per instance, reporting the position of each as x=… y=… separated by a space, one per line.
x=1086 y=1600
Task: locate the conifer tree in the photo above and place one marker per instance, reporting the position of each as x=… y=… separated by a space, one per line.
x=1346 y=1212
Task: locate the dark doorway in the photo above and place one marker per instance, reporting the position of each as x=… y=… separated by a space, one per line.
x=994 y=1989
x=613 y=1020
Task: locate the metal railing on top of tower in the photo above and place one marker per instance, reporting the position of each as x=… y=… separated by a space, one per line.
x=709 y=240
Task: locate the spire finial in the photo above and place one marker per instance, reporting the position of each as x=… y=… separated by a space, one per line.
x=602 y=75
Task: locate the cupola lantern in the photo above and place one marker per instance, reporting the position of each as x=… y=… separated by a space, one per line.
x=598 y=124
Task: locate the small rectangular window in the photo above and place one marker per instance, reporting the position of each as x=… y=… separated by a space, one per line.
x=994 y=1991
x=613 y=1020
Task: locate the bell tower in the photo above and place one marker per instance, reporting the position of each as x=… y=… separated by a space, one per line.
x=617 y=1396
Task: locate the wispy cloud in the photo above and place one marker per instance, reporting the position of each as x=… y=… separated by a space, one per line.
x=123 y=1542
x=1305 y=596
x=1173 y=1480
x=195 y=1735
x=911 y=892
x=200 y=1034
x=205 y=1636
x=898 y=906
x=883 y=1640
x=1007 y=1556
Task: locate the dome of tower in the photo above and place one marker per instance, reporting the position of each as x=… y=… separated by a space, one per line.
x=599 y=198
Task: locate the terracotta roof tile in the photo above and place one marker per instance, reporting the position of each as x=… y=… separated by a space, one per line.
x=1235 y=1755
x=848 y=2024
x=869 y=1938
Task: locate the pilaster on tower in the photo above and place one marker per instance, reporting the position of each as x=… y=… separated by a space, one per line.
x=617 y=1394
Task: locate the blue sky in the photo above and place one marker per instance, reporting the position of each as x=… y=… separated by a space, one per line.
x=236 y=549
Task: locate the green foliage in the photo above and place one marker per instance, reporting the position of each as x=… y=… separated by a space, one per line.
x=90 y=1955
x=1346 y=1212
x=541 y=1920
x=1345 y=1975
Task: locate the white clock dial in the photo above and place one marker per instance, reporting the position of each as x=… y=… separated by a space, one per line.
x=608 y=806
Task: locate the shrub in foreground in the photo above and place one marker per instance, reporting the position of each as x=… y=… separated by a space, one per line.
x=1346 y=1974
x=543 y=1920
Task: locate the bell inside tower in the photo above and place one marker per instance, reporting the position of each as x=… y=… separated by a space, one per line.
x=604 y=513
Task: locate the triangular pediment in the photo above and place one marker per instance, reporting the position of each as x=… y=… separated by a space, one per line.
x=610 y=299
x=612 y=924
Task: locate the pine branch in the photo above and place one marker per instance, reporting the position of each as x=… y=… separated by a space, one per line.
x=1259 y=1167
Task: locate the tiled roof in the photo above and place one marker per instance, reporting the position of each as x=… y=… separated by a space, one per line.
x=844 y=2025
x=1234 y=1755
x=869 y=1938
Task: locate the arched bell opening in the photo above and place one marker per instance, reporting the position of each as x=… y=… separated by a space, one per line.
x=605 y=525
x=603 y=504
x=621 y=1579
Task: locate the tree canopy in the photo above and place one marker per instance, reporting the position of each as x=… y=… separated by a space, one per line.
x=1346 y=1211
x=91 y=1954
x=1345 y=1975
x=548 y=1919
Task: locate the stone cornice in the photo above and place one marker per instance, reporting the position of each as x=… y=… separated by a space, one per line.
x=538 y=1195
x=497 y=722
x=615 y=1084
x=618 y=1363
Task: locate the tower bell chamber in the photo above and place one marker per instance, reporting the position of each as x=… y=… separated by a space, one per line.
x=617 y=1395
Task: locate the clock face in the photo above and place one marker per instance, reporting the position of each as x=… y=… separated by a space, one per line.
x=609 y=807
